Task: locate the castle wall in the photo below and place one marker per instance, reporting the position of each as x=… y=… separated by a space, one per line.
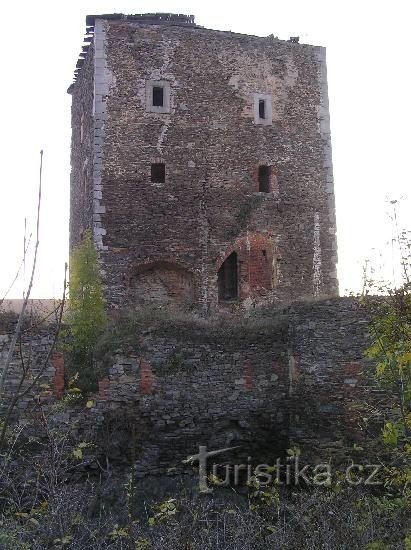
x=289 y=377
x=183 y=393
x=330 y=379
x=35 y=375
x=82 y=156
x=294 y=377
x=212 y=147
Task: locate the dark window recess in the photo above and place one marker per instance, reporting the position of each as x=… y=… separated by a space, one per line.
x=261 y=108
x=158 y=173
x=228 y=279
x=158 y=96
x=264 y=179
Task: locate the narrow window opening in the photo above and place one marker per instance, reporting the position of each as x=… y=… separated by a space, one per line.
x=158 y=96
x=261 y=108
x=264 y=253
x=158 y=173
x=264 y=179
x=228 y=279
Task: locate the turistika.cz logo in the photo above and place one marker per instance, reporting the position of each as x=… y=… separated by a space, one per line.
x=288 y=471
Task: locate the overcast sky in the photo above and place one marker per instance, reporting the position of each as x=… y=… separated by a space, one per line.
x=368 y=54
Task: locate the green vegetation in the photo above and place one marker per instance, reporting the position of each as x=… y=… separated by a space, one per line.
x=86 y=318
x=391 y=349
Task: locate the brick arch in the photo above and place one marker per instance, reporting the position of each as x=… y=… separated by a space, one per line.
x=162 y=282
x=256 y=263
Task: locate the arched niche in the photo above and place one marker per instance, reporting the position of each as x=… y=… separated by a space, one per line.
x=228 y=279
x=161 y=283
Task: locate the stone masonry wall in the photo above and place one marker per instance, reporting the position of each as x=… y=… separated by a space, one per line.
x=82 y=147
x=209 y=204
x=330 y=377
x=44 y=378
x=287 y=377
x=183 y=394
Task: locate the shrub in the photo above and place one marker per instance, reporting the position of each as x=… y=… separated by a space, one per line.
x=86 y=317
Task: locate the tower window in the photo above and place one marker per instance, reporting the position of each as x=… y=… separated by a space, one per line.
x=158 y=96
x=261 y=108
x=158 y=172
x=228 y=279
x=264 y=178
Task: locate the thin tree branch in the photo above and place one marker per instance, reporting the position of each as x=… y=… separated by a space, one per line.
x=19 y=394
x=7 y=361
x=22 y=263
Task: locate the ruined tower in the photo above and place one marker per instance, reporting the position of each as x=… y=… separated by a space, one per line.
x=201 y=162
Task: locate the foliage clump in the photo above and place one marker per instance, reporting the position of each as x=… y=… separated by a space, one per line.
x=86 y=316
x=391 y=349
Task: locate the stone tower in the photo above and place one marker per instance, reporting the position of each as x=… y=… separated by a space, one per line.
x=201 y=162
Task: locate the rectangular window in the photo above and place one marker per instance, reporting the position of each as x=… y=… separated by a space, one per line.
x=158 y=173
x=158 y=96
x=264 y=178
x=261 y=108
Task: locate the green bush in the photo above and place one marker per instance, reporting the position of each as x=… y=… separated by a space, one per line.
x=86 y=316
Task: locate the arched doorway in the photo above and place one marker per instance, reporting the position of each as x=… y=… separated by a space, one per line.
x=228 y=278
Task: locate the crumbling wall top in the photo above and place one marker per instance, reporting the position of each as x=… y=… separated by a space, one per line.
x=154 y=18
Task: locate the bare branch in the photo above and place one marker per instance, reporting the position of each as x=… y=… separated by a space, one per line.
x=6 y=363
x=19 y=393
x=22 y=263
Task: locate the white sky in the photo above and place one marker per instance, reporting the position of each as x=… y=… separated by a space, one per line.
x=369 y=81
